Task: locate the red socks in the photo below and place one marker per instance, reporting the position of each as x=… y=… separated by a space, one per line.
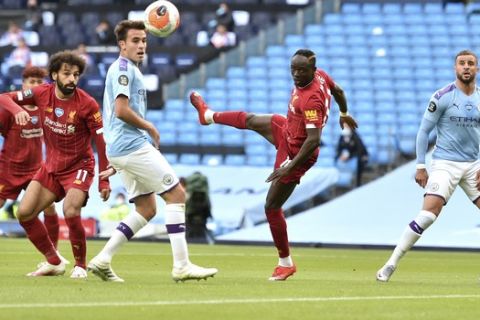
x=278 y=227
x=78 y=240
x=237 y=119
x=37 y=233
x=51 y=223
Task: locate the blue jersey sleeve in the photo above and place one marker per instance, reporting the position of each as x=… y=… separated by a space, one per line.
x=122 y=79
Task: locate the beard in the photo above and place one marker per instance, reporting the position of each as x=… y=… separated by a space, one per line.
x=65 y=90
x=466 y=81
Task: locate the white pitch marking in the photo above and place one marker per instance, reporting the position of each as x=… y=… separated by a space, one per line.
x=229 y=301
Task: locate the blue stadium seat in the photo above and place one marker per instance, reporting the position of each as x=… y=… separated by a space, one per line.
x=368 y=8
x=353 y=18
x=189 y=159
x=212 y=159
x=410 y=8
x=232 y=138
x=209 y=139
x=351 y=8
x=258 y=161
x=237 y=83
x=313 y=30
x=389 y=8
x=234 y=160
x=256 y=62
x=433 y=8
x=188 y=138
x=236 y=72
x=237 y=93
x=216 y=83
x=455 y=8
x=174 y=104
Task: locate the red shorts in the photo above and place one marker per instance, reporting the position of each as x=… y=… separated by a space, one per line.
x=59 y=184
x=11 y=186
x=284 y=153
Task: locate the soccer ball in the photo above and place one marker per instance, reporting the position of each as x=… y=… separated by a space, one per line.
x=161 y=18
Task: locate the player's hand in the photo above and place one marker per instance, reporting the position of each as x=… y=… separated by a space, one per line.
x=22 y=118
x=105 y=174
x=155 y=135
x=421 y=177
x=348 y=120
x=278 y=173
x=105 y=194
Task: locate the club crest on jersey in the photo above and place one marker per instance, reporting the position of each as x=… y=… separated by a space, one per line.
x=123 y=80
x=311 y=115
x=71 y=116
x=34 y=119
x=59 y=112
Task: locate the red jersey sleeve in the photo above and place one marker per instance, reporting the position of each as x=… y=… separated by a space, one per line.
x=328 y=79
x=94 y=118
x=5 y=121
x=314 y=112
x=29 y=96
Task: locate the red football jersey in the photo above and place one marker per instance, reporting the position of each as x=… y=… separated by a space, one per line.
x=22 y=146
x=308 y=108
x=68 y=126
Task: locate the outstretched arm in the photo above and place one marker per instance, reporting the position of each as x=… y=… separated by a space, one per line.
x=345 y=118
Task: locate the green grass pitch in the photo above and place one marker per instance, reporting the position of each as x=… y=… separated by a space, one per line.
x=329 y=284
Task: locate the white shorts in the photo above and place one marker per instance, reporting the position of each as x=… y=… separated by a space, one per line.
x=144 y=171
x=446 y=175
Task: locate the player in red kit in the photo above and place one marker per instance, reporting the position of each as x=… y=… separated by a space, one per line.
x=70 y=119
x=21 y=155
x=296 y=138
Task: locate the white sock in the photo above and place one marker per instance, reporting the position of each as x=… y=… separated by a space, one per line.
x=130 y=225
x=410 y=236
x=209 y=116
x=175 y=223
x=285 y=262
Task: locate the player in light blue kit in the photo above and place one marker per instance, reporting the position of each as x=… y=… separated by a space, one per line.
x=143 y=169
x=455 y=111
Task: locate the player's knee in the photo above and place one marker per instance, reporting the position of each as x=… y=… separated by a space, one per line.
x=71 y=211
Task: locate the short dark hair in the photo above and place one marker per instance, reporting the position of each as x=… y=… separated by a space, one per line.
x=309 y=54
x=68 y=57
x=34 y=72
x=467 y=53
x=123 y=26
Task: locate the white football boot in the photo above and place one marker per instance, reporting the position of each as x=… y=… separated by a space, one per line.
x=47 y=269
x=78 y=273
x=103 y=270
x=385 y=273
x=192 y=272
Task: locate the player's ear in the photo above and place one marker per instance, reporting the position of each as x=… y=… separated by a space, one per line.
x=54 y=76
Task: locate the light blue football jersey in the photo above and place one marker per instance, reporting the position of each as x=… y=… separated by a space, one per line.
x=123 y=78
x=457 y=118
